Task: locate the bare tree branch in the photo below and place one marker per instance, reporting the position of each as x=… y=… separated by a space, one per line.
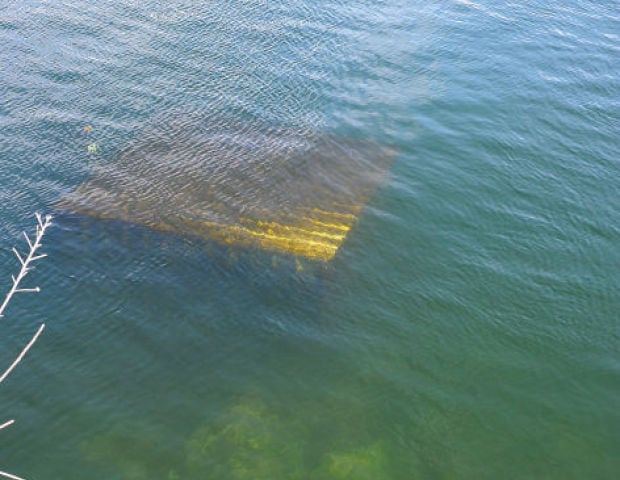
x=42 y=224
x=40 y=231
x=23 y=353
x=7 y=424
x=8 y=475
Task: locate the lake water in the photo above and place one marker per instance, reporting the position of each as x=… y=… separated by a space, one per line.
x=467 y=328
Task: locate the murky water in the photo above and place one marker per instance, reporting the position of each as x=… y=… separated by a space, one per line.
x=464 y=324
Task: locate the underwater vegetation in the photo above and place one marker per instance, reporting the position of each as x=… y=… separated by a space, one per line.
x=250 y=441
x=363 y=463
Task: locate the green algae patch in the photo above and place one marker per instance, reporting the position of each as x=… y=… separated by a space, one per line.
x=360 y=464
x=249 y=441
x=254 y=442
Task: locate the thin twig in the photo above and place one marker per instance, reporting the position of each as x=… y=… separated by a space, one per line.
x=24 y=352
x=7 y=424
x=12 y=477
x=42 y=224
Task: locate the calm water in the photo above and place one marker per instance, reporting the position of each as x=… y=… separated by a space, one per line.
x=469 y=326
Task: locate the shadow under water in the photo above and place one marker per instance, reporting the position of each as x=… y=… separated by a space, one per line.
x=239 y=183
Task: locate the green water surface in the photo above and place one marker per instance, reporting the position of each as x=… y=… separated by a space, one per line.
x=467 y=329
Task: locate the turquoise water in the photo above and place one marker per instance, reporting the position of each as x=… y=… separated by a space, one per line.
x=468 y=327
